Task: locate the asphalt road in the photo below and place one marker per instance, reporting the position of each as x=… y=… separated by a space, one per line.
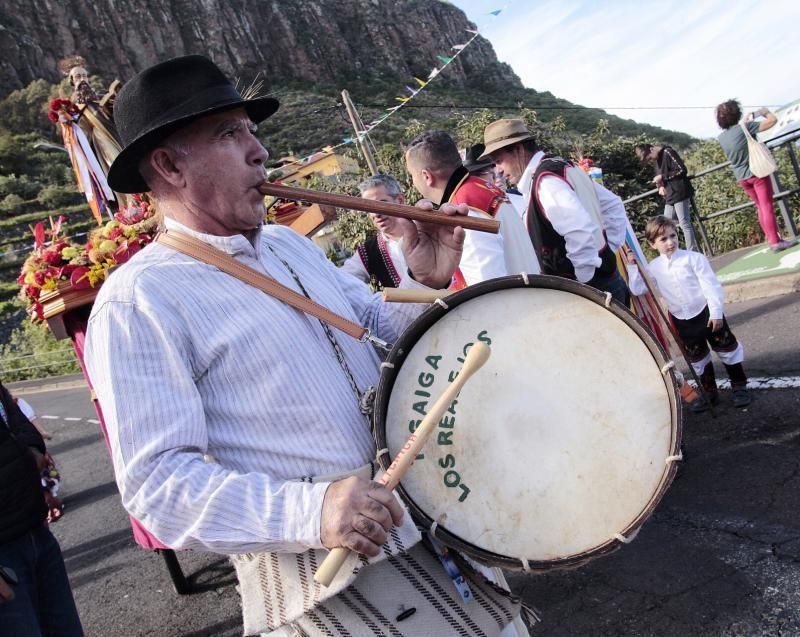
x=721 y=555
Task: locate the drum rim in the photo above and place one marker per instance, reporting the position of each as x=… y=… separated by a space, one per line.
x=422 y=323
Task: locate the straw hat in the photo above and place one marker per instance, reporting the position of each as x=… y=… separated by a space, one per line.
x=502 y=133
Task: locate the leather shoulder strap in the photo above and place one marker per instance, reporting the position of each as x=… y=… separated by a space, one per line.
x=212 y=256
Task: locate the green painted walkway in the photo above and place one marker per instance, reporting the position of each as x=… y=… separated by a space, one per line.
x=760 y=263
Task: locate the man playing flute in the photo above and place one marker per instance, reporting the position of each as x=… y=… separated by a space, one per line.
x=235 y=420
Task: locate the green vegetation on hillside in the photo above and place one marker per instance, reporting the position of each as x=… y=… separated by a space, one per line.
x=37 y=182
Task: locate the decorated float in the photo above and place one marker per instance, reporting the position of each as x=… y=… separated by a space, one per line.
x=60 y=279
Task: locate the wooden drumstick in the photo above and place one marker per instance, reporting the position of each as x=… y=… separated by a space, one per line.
x=398 y=295
x=476 y=357
x=386 y=208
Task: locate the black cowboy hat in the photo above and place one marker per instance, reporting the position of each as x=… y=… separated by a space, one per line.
x=165 y=98
x=471 y=161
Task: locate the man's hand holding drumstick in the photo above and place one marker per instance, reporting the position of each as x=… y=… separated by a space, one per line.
x=358 y=514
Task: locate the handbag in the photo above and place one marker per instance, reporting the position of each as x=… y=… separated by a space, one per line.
x=761 y=161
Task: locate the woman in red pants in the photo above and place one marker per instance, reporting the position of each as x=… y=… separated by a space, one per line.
x=759 y=189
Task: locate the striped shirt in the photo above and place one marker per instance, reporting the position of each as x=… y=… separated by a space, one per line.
x=188 y=361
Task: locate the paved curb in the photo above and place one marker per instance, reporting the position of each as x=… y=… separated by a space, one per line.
x=54 y=383
x=761 y=288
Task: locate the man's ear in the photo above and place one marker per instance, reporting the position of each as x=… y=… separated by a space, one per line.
x=162 y=162
x=428 y=176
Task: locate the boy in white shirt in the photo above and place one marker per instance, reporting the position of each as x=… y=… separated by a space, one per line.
x=694 y=297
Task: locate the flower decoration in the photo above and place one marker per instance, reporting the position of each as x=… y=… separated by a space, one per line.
x=62 y=109
x=118 y=240
x=56 y=261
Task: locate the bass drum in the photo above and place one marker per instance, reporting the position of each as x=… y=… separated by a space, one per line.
x=559 y=448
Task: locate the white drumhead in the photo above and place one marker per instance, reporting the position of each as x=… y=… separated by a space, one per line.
x=556 y=445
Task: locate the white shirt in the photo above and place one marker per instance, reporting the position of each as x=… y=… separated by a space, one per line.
x=518 y=201
x=615 y=220
x=517 y=246
x=26 y=409
x=686 y=281
x=355 y=266
x=483 y=255
x=188 y=361
x=566 y=214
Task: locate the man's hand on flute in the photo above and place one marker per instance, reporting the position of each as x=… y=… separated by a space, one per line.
x=433 y=251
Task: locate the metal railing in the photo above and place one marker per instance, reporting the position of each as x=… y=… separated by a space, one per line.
x=13 y=366
x=780 y=195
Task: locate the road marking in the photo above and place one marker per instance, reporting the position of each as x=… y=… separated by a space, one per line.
x=772 y=382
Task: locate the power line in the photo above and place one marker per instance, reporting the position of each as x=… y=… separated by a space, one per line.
x=517 y=107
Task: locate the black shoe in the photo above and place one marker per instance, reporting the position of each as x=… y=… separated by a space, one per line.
x=741 y=398
x=702 y=404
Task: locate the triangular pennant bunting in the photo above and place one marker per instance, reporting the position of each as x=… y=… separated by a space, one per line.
x=458 y=48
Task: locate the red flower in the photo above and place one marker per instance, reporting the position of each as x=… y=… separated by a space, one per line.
x=115 y=232
x=78 y=278
x=58 y=106
x=38 y=234
x=52 y=257
x=65 y=272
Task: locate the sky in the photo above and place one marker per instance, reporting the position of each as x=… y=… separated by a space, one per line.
x=650 y=53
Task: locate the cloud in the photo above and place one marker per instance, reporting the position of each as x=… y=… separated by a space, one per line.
x=656 y=54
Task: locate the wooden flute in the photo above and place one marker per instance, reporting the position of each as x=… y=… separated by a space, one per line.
x=378 y=207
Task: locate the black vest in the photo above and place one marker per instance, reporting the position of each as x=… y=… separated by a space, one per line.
x=378 y=264
x=551 y=246
x=22 y=505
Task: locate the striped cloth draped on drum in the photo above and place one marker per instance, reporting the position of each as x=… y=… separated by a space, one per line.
x=277 y=588
x=381 y=600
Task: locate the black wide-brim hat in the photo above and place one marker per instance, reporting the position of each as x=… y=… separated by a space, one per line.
x=163 y=99
x=471 y=161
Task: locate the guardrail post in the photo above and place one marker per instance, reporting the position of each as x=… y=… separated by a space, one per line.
x=709 y=251
x=796 y=168
x=786 y=212
x=795 y=165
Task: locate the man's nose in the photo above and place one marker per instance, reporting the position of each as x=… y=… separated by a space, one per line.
x=259 y=153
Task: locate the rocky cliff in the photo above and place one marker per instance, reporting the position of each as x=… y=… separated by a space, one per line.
x=323 y=43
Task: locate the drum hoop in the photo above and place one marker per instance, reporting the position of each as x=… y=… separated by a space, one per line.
x=436 y=311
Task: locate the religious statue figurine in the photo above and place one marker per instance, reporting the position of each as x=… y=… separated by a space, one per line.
x=94 y=116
